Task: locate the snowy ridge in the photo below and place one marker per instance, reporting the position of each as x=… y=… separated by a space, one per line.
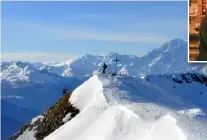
x=128 y=108
x=108 y=118
x=93 y=96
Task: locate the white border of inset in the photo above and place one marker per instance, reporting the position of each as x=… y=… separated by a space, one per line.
x=189 y=37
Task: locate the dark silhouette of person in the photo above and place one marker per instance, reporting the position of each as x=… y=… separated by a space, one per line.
x=203 y=41
x=104 y=67
x=65 y=90
x=204 y=10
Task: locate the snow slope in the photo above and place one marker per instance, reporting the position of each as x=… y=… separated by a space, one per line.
x=189 y=87
x=126 y=108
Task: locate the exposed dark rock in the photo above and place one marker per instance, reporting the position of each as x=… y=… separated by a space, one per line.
x=196 y=78
x=177 y=81
x=186 y=78
x=53 y=119
x=190 y=77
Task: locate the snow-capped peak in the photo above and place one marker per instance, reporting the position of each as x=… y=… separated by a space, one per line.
x=22 y=71
x=171 y=57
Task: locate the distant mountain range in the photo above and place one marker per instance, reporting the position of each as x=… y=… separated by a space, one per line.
x=25 y=85
x=170 y=58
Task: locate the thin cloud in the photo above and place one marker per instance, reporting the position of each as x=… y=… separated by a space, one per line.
x=36 y=56
x=179 y=25
x=112 y=36
x=65 y=33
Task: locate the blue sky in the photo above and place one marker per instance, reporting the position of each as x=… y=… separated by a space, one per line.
x=56 y=31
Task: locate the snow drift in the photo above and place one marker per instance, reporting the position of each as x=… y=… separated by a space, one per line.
x=131 y=108
x=101 y=119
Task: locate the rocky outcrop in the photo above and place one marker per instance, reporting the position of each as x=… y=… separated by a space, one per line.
x=183 y=78
x=52 y=120
x=190 y=77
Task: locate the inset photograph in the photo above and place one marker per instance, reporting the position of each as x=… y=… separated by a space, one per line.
x=197 y=31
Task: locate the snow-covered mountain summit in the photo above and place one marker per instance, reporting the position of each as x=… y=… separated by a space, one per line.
x=124 y=108
x=85 y=65
x=170 y=58
x=22 y=71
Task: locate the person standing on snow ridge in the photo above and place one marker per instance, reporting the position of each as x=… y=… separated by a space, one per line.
x=104 y=67
x=65 y=90
x=203 y=41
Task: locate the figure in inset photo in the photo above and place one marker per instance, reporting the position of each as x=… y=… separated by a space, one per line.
x=203 y=41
